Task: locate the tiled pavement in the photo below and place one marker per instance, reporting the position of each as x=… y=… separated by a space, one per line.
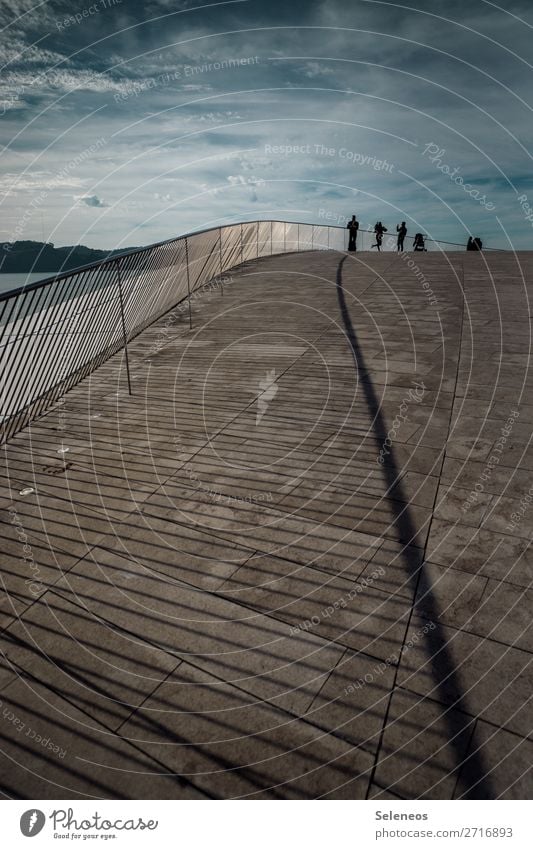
x=215 y=589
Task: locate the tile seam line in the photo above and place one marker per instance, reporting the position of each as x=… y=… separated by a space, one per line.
x=412 y=608
x=247 y=406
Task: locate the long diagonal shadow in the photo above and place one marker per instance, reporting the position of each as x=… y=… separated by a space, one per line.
x=474 y=775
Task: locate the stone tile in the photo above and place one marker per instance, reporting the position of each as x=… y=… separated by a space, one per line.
x=98 y=471
x=479 y=551
x=501 y=411
x=227 y=483
x=505 y=615
x=508 y=760
x=29 y=566
x=377 y=516
x=499 y=517
x=421 y=459
x=273 y=532
x=377 y=792
x=466 y=473
x=181 y=552
x=352 y=614
x=481 y=676
x=90 y=663
x=353 y=701
x=232 y=746
x=468 y=447
x=455 y=505
x=424 y=745
x=58 y=523
x=51 y=750
x=465 y=409
x=518 y=451
x=430 y=436
x=415 y=488
x=396 y=568
x=101 y=493
x=256 y=652
x=449 y=595
x=7 y=672
x=8 y=608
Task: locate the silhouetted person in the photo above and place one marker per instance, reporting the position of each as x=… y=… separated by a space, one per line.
x=418 y=243
x=474 y=244
x=353 y=227
x=401 y=229
x=379 y=229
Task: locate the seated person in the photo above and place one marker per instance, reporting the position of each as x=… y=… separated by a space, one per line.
x=418 y=243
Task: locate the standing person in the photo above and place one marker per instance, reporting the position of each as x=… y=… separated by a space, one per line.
x=379 y=229
x=402 y=233
x=353 y=227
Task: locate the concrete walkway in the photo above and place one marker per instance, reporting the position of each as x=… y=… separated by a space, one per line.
x=297 y=562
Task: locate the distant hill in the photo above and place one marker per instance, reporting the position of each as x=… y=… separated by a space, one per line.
x=26 y=256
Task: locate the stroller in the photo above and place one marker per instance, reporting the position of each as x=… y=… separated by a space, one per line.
x=419 y=243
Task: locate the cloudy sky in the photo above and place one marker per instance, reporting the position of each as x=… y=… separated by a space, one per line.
x=126 y=122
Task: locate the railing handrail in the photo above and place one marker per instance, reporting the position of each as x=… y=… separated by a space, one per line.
x=30 y=287
x=56 y=331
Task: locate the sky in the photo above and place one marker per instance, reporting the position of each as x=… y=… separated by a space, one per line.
x=125 y=123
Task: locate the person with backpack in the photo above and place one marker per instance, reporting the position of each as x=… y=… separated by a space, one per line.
x=379 y=229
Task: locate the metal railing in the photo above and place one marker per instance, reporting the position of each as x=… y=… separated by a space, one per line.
x=53 y=333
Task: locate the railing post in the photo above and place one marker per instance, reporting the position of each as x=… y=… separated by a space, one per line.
x=328 y=238
x=188 y=280
x=124 y=335
x=312 y=237
x=298 y=237
x=220 y=257
x=242 y=252
x=257 y=242
x=284 y=237
x=271 y=246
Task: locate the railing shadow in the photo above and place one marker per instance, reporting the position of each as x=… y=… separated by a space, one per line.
x=474 y=774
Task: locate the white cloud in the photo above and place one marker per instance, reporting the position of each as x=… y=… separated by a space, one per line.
x=316 y=69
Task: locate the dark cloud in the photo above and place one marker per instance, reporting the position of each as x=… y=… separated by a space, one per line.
x=91 y=200
x=188 y=103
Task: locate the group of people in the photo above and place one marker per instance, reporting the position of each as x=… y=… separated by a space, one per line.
x=419 y=243
x=379 y=230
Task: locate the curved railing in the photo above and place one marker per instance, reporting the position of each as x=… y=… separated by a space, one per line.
x=56 y=331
